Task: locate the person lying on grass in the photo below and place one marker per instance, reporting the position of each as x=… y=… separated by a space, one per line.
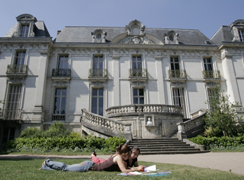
x=114 y=163
x=130 y=162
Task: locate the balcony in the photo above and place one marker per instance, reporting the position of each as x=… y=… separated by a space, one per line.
x=138 y=74
x=98 y=75
x=16 y=70
x=11 y=114
x=58 y=117
x=211 y=76
x=177 y=75
x=61 y=74
x=138 y=109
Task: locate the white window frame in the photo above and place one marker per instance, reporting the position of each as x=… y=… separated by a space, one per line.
x=179 y=98
x=97 y=99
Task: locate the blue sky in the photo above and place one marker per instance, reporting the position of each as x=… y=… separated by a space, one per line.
x=205 y=15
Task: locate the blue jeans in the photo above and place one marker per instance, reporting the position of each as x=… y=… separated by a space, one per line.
x=54 y=165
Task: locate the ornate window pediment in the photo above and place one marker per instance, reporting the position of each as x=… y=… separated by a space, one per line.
x=237 y=29
x=99 y=36
x=171 y=37
x=135 y=34
x=25 y=26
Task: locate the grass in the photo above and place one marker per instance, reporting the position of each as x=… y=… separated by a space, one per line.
x=28 y=169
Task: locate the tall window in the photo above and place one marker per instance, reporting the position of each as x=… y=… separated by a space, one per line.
x=175 y=67
x=24 y=30
x=137 y=65
x=20 y=57
x=241 y=34
x=208 y=66
x=63 y=65
x=59 y=104
x=98 y=65
x=179 y=99
x=13 y=104
x=138 y=96
x=97 y=101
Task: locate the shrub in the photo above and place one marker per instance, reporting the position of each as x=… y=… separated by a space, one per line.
x=57 y=129
x=68 y=143
x=224 y=141
x=31 y=132
x=112 y=142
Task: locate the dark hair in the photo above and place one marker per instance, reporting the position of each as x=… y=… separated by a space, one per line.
x=136 y=148
x=123 y=149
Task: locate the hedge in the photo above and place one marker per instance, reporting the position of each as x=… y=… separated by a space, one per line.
x=68 y=142
x=224 y=141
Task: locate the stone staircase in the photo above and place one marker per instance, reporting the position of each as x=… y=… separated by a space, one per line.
x=164 y=146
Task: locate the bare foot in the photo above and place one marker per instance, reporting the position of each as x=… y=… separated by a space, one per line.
x=44 y=162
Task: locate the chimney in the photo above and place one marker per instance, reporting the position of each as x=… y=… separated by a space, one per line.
x=59 y=31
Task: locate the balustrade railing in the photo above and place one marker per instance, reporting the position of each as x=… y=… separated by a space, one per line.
x=61 y=72
x=138 y=73
x=16 y=69
x=142 y=108
x=58 y=117
x=103 y=122
x=195 y=124
x=179 y=74
x=211 y=74
x=97 y=73
x=12 y=114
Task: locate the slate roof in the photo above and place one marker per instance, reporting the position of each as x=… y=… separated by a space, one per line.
x=79 y=34
x=223 y=34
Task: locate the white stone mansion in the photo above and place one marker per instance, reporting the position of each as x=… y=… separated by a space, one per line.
x=108 y=69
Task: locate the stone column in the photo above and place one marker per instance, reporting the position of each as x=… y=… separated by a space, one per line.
x=229 y=74
x=116 y=88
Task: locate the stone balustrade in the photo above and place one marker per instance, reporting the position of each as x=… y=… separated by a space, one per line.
x=142 y=108
x=187 y=128
x=105 y=125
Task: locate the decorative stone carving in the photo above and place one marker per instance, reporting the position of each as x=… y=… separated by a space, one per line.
x=136 y=40
x=135 y=28
x=97 y=84
x=177 y=84
x=225 y=53
x=60 y=84
x=171 y=37
x=16 y=80
x=236 y=37
x=99 y=36
x=25 y=19
x=235 y=27
x=138 y=84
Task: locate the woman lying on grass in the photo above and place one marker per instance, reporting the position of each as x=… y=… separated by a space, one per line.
x=114 y=163
x=130 y=162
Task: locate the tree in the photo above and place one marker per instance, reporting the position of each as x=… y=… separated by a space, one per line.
x=221 y=119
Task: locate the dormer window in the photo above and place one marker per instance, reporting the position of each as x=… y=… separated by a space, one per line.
x=241 y=34
x=237 y=29
x=25 y=27
x=99 y=36
x=25 y=30
x=171 y=37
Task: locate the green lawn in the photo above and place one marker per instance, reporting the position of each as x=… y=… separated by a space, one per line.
x=28 y=169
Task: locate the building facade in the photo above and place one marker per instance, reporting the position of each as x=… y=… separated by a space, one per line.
x=96 y=68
